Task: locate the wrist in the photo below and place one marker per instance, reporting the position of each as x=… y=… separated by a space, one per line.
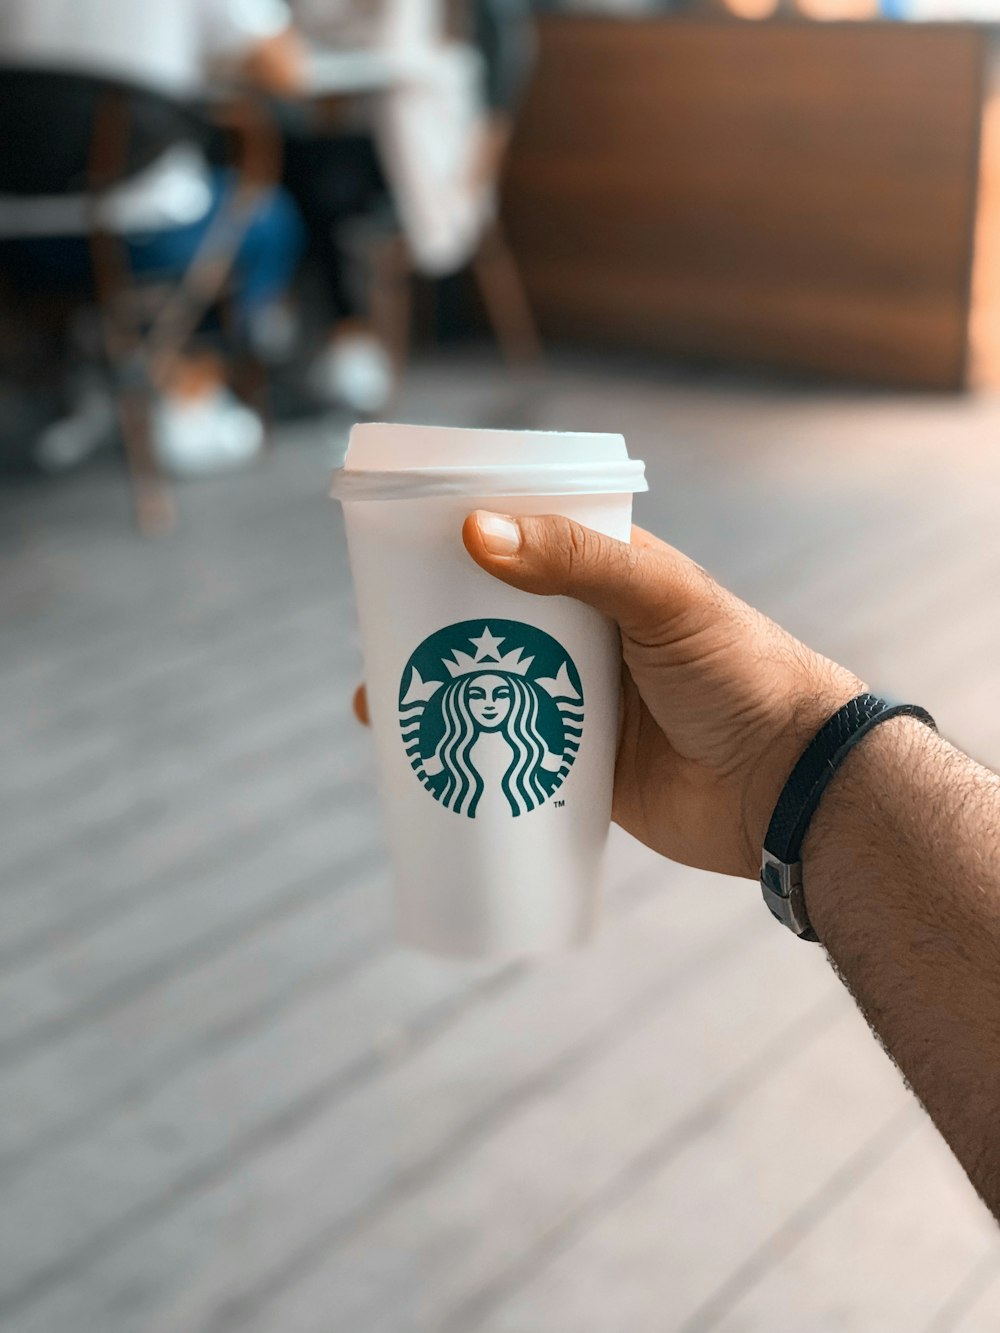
x=791 y=733
x=852 y=825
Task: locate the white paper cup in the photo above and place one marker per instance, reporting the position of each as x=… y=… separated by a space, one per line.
x=495 y=711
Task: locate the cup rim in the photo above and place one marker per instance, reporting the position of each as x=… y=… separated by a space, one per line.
x=625 y=476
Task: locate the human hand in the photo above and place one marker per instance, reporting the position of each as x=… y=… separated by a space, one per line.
x=278 y=64
x=718 y=702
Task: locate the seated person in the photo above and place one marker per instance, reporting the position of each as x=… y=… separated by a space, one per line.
x=432 y=157
x=165 y=211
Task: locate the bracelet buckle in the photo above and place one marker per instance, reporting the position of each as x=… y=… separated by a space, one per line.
x=781 y=885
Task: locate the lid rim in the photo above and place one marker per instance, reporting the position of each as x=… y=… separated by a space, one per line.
x=618 y=477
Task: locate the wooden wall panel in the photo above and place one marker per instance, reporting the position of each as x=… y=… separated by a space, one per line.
x=789 y=193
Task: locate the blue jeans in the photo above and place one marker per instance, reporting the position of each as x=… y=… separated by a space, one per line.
x=267 y=256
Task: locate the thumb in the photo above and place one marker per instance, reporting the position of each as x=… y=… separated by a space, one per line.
x=642 y=586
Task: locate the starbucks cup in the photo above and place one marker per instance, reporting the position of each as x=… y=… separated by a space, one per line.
x=494 y=711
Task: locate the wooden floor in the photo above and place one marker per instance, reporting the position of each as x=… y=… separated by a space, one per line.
x=229 y=1105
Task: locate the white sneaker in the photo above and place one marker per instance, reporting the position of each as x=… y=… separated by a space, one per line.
x=356 y=370
x=201 y=436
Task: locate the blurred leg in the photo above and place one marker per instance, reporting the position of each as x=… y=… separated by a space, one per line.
x=269 y=253
x=333 y=179
x=506 y=302
x=338 y=184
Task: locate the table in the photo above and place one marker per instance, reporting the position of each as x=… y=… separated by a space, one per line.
x=794 y=194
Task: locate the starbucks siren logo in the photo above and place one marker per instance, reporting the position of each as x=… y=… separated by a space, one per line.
x=491 y=711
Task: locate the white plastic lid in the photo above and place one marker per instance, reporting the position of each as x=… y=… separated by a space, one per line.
x=396 y=462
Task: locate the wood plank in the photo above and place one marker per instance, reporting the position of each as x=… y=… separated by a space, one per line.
x=565 y=1158
x=971 y=1288
x=170 y=778
x=169 y=932
x=212 y=683
x=160 y=787
x=905 y=1235
x=983 y=1315
x=329 y=1043
x=213 y=585
x=69 y=1085
x=75 y=690
x=650 y=1259
x=399 y=1127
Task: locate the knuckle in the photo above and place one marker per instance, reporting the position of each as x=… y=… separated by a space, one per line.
x=577 y=544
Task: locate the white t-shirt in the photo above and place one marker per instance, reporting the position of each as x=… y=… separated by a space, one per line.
x=426 y=119
x=167 y=45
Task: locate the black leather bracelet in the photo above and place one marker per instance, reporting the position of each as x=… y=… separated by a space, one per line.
x=781 y=865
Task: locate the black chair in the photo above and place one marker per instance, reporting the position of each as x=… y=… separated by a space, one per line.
x=72 y=134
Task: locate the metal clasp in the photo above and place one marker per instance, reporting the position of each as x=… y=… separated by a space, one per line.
x=781 y=885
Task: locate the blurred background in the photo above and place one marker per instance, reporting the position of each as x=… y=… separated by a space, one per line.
x=761 y=239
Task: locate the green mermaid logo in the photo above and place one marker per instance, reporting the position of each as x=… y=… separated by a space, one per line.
x=491 y=712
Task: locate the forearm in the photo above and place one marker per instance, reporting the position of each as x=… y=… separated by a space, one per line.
x=901 y=869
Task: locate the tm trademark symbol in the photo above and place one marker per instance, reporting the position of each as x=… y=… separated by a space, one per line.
x=558 y=804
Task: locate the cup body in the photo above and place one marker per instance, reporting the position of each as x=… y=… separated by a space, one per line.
x=484 y=880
